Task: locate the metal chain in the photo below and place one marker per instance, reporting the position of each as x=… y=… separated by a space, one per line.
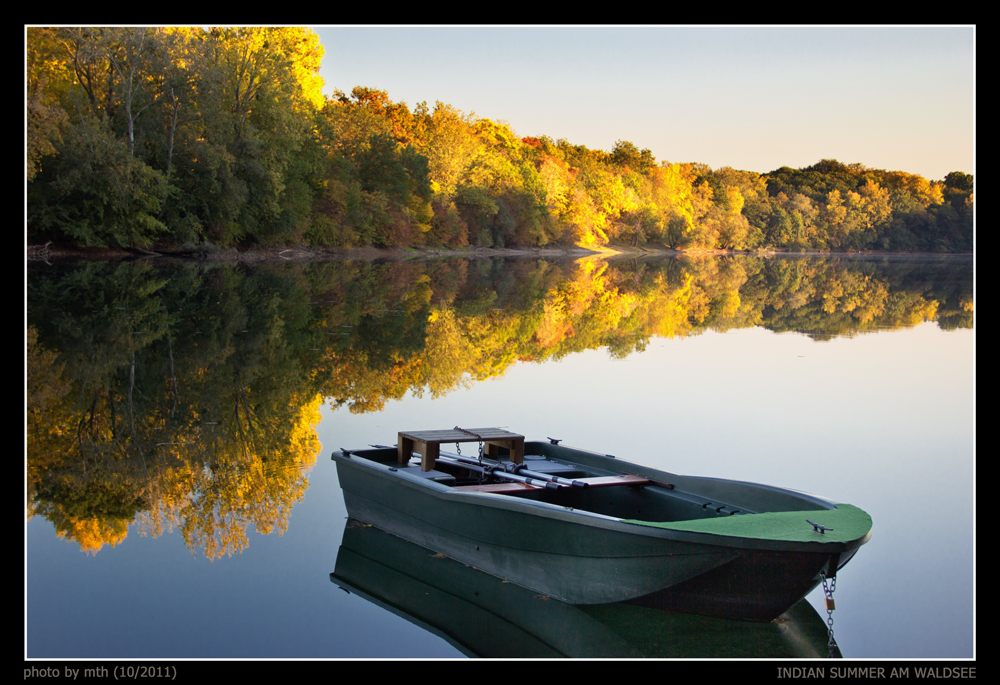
x=477 y=435
x=828 y=588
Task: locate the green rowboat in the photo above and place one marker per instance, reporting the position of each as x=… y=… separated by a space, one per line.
x=588 y=528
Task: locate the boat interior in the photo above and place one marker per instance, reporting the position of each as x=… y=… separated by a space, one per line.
x=583 y=486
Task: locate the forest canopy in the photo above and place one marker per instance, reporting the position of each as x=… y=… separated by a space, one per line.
x=189 y=137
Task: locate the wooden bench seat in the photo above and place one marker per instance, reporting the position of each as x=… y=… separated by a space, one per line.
x=428 y=443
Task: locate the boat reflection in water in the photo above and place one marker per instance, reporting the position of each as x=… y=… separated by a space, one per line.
x=484 y=616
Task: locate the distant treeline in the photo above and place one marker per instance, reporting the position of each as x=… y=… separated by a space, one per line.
x=200 y=138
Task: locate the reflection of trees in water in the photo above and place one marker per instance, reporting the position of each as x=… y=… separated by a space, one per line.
x=254 y=479
x=187 y=397
x=485 y=325
x=184 y=405
x=828 y=298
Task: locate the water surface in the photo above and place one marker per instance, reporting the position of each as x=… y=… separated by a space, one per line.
x=182 y=503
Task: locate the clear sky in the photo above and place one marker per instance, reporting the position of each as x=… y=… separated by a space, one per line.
x=753 y=98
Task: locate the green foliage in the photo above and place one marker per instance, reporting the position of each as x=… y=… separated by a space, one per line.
x=95 y=193
x=625 y=154
x=326 y=231
x=957 y=180
x=447 y=226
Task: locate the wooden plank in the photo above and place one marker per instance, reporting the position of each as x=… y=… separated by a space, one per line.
x=605 y=481
x=452 y=435
x=494 y=487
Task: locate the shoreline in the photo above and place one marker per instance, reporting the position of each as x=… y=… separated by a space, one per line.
x=302 y=253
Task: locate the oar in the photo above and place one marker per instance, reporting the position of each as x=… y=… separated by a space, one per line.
x=565 y=482
x=471 y=465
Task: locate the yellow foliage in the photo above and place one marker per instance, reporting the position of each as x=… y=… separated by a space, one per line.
x=497 y=134
x=558 y=180
x=669 y=314
x=587 y=224
x=447 y=354
x=303 y=441
x=92 y=534
x=306 y=57
x=730 y=303
x=673 y=192
x=735 y=198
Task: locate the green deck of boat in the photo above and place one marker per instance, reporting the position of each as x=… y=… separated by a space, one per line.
x=846 y=523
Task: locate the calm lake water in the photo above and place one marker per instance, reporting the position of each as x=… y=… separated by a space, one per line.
x=181 y=500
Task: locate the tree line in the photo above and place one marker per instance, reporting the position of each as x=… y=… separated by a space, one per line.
x=195 y=138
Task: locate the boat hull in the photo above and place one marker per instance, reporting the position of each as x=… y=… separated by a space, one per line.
x=581 y=557
x=584 y=574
